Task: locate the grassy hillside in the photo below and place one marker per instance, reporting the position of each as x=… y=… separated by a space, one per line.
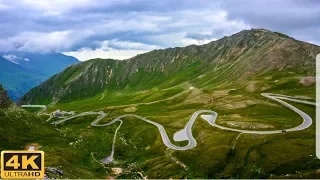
x=219 y=153
x=5 y=101
x=20 y=129
x=167 y=86
x=236 y=61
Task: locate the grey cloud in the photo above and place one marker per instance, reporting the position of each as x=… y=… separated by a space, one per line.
x=146 y=21
x=299 y=19
x=198 y=36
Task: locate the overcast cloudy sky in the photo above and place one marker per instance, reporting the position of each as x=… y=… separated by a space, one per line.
x=123 y=28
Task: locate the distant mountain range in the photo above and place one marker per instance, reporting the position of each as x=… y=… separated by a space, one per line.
x=238 y=61
x=20 y=71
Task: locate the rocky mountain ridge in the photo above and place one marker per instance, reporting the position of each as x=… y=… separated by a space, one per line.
x=234 y=60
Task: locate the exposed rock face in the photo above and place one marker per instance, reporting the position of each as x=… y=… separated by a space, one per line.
x=308 y=81
x=4 y=98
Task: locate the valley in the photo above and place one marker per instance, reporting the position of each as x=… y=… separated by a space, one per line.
x=186 y=133
x=136 y=139
x=238 y=107
x=147 y=89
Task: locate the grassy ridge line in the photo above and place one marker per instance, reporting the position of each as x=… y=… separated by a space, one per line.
x=228 y=62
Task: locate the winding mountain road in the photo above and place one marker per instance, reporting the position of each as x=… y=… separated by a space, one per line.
x=307 y=120
x=186 y=132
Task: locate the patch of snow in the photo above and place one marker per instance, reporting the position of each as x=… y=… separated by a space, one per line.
x=12 y=58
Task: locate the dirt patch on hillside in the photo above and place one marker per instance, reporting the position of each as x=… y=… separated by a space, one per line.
x=247 y=125
x=251 y=87
x=265 y=87
x=308 y=81
x=116 y=171
x=33 y=146
x=130 y=109
x=202 y=98
x=196 y=96
x=237 y=105
x=85 y=134
x=221 y=93
x=235 y=116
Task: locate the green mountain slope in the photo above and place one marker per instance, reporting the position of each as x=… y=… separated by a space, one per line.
x=231 y=61
x=20 y=129
x=167 y=86
x=4 y=98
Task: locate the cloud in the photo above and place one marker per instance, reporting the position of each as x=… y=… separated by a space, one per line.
x=299 y=19
x=124 y=27
x=188 y=41
x=41 y=42
x=199 y=36
x=87 y=53
x=114 y=49
x=116 y=44
x=4 y=7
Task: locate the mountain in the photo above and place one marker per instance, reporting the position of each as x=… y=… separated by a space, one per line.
x=4 y=98
x=16 y=79
x=169 y=87
x=20 y=71
x=230 y=61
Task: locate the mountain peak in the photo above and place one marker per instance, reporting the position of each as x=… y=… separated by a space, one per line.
x=263 y=32
x=260 y=29
x=251 y=37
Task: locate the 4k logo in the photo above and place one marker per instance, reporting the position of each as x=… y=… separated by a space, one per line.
x=22 y=164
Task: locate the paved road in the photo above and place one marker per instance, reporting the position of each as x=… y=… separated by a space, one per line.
x=36 y=106
x=290 y=98
x=307 y=120
x=186 y=132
